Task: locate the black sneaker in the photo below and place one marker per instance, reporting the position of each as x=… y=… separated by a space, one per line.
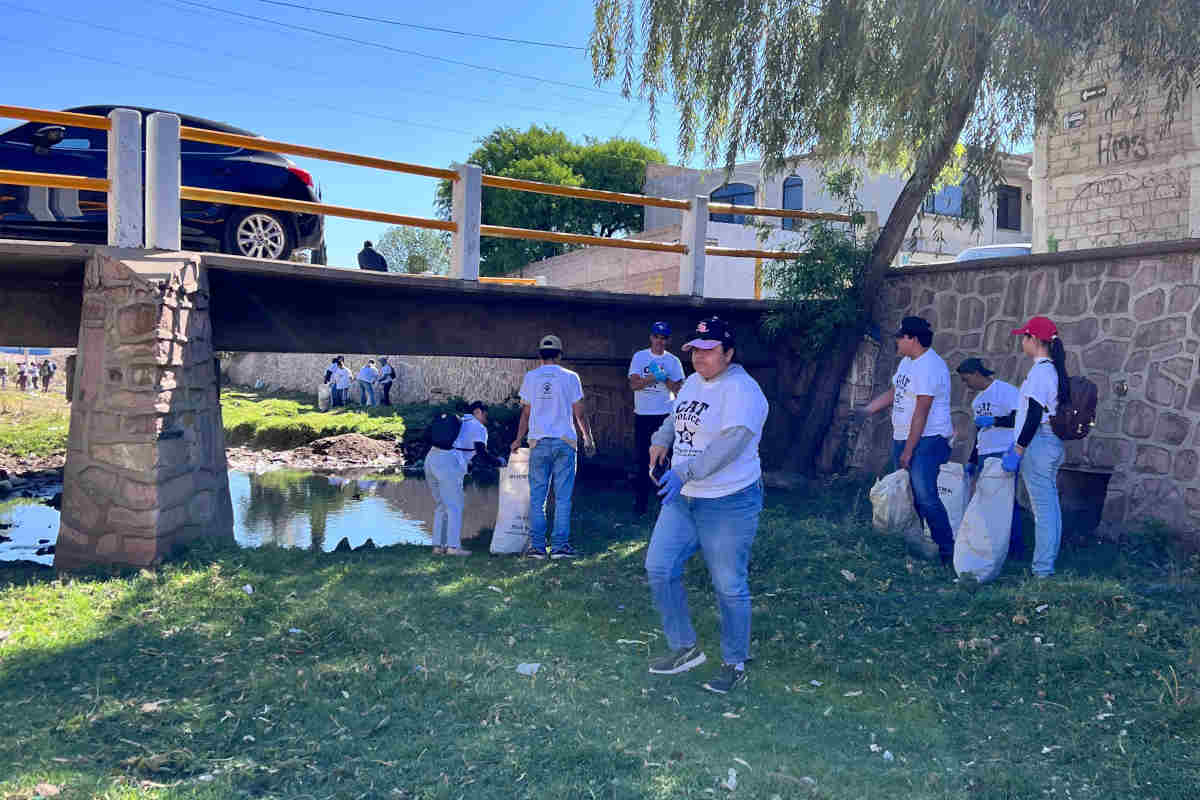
x=535 y=553
x=566 y=551
x=725 y=680
x=678 y=661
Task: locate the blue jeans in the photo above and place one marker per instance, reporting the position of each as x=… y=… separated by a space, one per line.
x=1039 y=470
x=550 y=459
x=1016 y=538
x=723 y=529
x=368 y=393
x=928 y=456
x=337 y=397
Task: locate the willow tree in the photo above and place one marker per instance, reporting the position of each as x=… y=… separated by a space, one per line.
x=897 y=85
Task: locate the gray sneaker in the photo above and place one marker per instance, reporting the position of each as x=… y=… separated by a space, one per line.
x=680 y=660
x=726 y=680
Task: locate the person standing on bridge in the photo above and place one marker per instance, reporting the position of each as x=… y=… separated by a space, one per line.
x=371 y=259
x=551 y=409
x=655 y=375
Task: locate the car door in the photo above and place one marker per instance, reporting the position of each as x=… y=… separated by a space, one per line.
x=36 y=212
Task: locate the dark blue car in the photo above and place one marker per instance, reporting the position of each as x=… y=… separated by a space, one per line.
x=81 y=216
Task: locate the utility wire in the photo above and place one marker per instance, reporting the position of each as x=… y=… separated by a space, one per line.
x=401 y=51
x=432 y=28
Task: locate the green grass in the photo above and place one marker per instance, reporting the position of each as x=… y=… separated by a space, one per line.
x=33 y=424
x=401 y=682
x=280 y=422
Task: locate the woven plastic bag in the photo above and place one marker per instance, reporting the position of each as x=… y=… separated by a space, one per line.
x=982 y=542
x=511 y=534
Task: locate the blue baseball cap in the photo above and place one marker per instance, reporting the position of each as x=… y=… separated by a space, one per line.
x=660 y=329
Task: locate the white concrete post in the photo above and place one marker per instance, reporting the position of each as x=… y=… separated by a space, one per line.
x=163 y=178
x=693 y=235
x=125 y=224
x=468 y=214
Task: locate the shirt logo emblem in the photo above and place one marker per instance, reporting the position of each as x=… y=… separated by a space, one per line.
x=687 y=435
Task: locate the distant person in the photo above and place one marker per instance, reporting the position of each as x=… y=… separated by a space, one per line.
x=445 y=469
x=551 y=410
x=921 y=425
x=341 y=383
x=45 y=373
x=3 y=376
x=333 y=364
x=387 y=376
x=366 y=381
x=370 y=259
x=995 y=411
x=20 y=373
x=655 y=375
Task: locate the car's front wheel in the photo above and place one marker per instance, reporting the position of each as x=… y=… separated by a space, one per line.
x=259 y=234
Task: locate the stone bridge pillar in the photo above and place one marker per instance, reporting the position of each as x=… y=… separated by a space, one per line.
x=145 y=464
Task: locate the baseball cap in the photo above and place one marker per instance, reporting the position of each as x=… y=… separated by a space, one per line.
x=550 y=342
x=911 y=326
x=1041 y=327
x=660 y=329
x=709 y=333
x=974 y=365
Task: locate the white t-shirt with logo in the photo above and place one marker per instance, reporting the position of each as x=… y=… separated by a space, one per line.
x=706 y=408
x=1041 y=384
x=656 y=398
x=472 y=431
x=927 y=375
x=550 y=391
x=997 y=400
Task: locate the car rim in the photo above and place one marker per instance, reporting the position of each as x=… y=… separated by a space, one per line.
x=261 y=236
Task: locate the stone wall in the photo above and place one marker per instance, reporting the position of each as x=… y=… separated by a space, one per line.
x=1130 y=320
x=145 y=466
x=1114 y=170
x=611 y=269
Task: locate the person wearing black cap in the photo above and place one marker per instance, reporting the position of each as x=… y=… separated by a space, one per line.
x=921 y=425
x=711 y=498
x=655 y=375
x=995 y=412
x=551 y=409
x=371 y=259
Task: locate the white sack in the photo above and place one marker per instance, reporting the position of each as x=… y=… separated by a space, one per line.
x=323 y=397
x=982 y=542
x=511 y=534
x=892 y=503
x=952 y=488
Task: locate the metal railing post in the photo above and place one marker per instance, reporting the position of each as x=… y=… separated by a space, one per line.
x=468 y=214
x=693 y=235
x=125 y=209
x=163 y=179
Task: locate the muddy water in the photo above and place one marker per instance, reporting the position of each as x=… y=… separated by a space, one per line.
x=286 y=508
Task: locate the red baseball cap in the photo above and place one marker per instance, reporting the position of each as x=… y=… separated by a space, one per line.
x=1041 y=327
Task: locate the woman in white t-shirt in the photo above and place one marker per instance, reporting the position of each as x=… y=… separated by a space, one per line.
x=1038 y=452
x=711 y=499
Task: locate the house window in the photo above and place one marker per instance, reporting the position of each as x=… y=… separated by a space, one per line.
x=1008 y=208
x=738 y=194
x=793 y=198
x=948 y=201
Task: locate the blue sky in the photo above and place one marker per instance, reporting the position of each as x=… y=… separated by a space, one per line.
x=303 y=87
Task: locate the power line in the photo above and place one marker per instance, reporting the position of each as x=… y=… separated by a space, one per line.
x=432 y=28
x=401 y=51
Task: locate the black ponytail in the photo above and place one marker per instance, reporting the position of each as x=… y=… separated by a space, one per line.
x=1058 y=355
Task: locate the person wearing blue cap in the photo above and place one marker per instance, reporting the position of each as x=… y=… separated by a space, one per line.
x=655 y=375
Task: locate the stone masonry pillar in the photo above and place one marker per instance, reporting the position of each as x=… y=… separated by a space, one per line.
x=146 y=466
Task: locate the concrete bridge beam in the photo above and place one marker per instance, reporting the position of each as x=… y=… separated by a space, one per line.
x=146 y=463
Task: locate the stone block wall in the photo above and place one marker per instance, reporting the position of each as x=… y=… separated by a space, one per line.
x=145 y=465
x=610 y=269
x=1130 y=320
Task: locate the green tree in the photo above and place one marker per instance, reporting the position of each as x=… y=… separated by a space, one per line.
x=415 y=250
x=896 y=84
x=547 y=155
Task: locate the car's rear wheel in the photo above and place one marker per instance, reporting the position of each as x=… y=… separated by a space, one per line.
x=259 y=234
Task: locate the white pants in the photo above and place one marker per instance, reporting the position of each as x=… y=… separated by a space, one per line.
x=444 y=472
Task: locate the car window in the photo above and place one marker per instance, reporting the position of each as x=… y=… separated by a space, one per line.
x=73 y=144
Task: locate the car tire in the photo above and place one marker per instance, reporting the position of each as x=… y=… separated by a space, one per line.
x=256 y=233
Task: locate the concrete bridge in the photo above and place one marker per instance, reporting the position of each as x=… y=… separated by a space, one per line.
x=146 y=463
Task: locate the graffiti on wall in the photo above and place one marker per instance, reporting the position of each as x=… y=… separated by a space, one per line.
x=1162 y=185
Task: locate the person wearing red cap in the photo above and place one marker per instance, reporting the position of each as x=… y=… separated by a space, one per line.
x=1038 y=453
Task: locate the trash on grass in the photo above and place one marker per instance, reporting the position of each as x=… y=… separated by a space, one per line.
x=528 y=669
x=730 y=783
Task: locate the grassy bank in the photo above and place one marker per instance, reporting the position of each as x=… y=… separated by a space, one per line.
x=392 y=674
x=33 y=424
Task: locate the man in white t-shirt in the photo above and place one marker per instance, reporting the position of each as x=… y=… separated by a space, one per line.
x=340 y=379
x=444 y=473
x=994 y=409
x=655 y=375
x=921 y=426
x=551 y=409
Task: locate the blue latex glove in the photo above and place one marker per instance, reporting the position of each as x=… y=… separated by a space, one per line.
x=670 y=484
x=503 y=461
x=658 y=372
x=972 y=469
x=1012 y=459
x=985 y=421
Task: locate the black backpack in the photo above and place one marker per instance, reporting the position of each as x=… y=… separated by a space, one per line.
x=1075 y=419
x=444 y=430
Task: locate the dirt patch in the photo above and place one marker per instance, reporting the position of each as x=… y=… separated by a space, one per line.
x=26 y=464
x=331 y=453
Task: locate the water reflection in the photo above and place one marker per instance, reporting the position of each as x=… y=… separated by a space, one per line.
x=314 y=511
x=31 y=527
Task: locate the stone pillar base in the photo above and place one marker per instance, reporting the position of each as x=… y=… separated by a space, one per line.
x=145 y=464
